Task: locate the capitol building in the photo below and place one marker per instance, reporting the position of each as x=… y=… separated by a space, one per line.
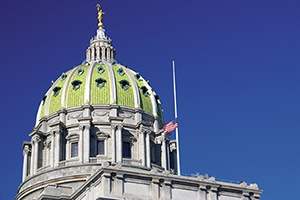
x=99 y=136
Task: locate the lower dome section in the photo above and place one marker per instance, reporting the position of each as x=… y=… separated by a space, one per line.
x=100 y=83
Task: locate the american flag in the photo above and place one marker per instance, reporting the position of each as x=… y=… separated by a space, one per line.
x=170 y=126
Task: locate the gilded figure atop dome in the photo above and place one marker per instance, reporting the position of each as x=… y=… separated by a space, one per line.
x=100 y=13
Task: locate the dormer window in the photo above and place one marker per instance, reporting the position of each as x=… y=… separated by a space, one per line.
x=124 y=84
x=76 y=84
x=56 y=91
x=137 y=76
x=44 y=99
x=144 y=91
x=100 y=69
x=63 y=76
x=80 y=71
x=121 y=71
x=100 y=82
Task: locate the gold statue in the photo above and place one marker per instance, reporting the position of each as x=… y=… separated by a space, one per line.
x=100 y=13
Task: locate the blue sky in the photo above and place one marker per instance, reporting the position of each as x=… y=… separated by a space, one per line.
x=237 y=66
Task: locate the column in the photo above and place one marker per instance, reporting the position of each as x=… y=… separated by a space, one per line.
x=80 y=144
x=108 y=54
x=56 y=148
x=86 y=142
x=25 y=161
x=88 y=55
x=112 y=55
x=36 y=153
x=142 y=147
x=113 y=143
x=32 y=156
x=163 y=153
x=148 y=149
x=103 y=53
x=93 y=53
x=119 y=143
x=97 y=51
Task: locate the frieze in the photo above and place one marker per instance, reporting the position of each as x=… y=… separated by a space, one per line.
x=100 y=114
x=126 y=115
x=75 y=115
x=53 y=120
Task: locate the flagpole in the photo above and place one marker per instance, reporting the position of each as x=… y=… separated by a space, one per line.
x=175 y=105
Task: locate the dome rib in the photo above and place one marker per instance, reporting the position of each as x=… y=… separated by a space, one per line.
x=112 y=83
x=65 y=88
x=137 y=100
x=46 y=108
x=87 y=91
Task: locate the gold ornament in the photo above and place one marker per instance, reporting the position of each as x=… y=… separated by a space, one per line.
x=100 y=13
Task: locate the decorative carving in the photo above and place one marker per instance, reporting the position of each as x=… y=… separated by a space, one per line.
x=75 y=115
x=53 y=120
x=253 y=186
x=100 y=114
x=126 y=115
x=243 y=184
x=100 y=14
x=101 y=134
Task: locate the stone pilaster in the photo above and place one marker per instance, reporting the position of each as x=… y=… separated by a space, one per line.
x=119 y=142
x=155 y=186
x=119 y=184
x=57 y=147
x=148 y=154
x=52 y=149
x=106 y=183
x=163 y=151
x=86 y=142
x=142 y=147
x=202 y=193
x=167 y=190
x=80 y=143
x=113 y=143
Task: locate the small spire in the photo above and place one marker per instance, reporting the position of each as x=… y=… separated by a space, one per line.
x=100 y=13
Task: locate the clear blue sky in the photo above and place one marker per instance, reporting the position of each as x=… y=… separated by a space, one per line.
x=237 y=65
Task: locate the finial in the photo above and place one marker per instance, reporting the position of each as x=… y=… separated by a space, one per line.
x=100 y=13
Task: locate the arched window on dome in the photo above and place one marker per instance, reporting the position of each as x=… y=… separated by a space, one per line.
x=100 y=82
x=76 y=84
x=63 y=76
x=144 y=91
x=44 y=99
x=80 y=71
x=121 y=71
x=100 y=69
x=56 y=91
x=124 y=84
x=137 y=76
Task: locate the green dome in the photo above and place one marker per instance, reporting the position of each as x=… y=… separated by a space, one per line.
x=101 y=83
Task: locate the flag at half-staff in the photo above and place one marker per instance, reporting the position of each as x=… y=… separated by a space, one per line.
x=170 y=126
